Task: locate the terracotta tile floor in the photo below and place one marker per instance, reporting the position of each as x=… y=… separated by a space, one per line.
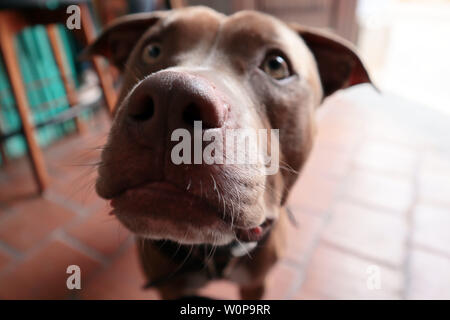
x=373 y=204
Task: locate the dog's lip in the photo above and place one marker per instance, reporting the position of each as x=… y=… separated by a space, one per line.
x=150 y=185
x=254 y=233
x=246 y=234
x=167 y=189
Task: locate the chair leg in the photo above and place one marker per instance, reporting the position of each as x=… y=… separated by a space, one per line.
x=61 y=61
x=13 y=70
x=105 y=78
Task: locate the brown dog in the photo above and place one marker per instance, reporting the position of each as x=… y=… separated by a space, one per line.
x=197 y=222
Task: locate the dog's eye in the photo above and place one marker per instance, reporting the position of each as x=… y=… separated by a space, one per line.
x=151 y=52
x=276 y=66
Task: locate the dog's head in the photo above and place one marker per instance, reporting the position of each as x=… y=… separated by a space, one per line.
x=176 y=166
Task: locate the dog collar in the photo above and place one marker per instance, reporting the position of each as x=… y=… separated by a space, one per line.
x=240 y=249
x=203 y=258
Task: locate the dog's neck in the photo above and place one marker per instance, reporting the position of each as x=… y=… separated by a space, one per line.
x=207 y=258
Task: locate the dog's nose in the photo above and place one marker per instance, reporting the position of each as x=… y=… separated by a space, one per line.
x=175 y=99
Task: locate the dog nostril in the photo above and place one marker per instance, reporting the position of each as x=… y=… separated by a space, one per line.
x=144 y=111
x=191 y=114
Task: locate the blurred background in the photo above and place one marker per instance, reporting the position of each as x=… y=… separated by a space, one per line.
x=373 y=201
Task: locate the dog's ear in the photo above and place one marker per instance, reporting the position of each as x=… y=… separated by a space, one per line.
x=117 y=40
x=338 y=63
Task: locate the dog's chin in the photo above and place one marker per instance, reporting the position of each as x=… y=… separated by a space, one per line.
x=162 y=211
x=181 y=232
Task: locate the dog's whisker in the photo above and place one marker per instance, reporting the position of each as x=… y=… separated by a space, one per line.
x=178 y=268
x=218 y=193
x=238 y=199
x=285 y=166
x=180 y=244
x=189 y=185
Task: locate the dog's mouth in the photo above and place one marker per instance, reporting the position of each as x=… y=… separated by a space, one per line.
x=162 y=210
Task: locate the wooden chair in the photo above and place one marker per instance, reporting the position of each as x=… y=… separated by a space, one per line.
x=12 y=22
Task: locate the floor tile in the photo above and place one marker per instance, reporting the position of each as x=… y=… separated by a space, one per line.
x=220 y=290
x=32 y=221
x=43 y=275
x=387 y=157
x=383 y=191
x=429 y=276
x=431 y=227
x=316 y=194
x=282 y=280
x=123 y=279
x=333 y=274
x=367 y=232
x=100 y=231
x=4 y=260
x=301 y=239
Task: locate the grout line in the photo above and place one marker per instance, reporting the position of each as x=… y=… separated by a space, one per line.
x=95 y=274
x=362 y=256
x=291 y=262
x=104 y=205
x=65 y=202
x=79 y=246
x=3 y=206
x=390 y=174
x=373 y=207
x=434 y=251
x=410 y=229
x=307 y=260
x=433 y=202
x=324 y=218
x=7 y=213
x=123 y=248
x=306 y=210
x=14 y=253
x=39 y=245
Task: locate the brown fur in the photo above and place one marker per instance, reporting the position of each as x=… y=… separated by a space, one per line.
x=220 y=57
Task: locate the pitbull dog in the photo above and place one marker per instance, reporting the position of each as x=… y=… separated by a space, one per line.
x=196 y=221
